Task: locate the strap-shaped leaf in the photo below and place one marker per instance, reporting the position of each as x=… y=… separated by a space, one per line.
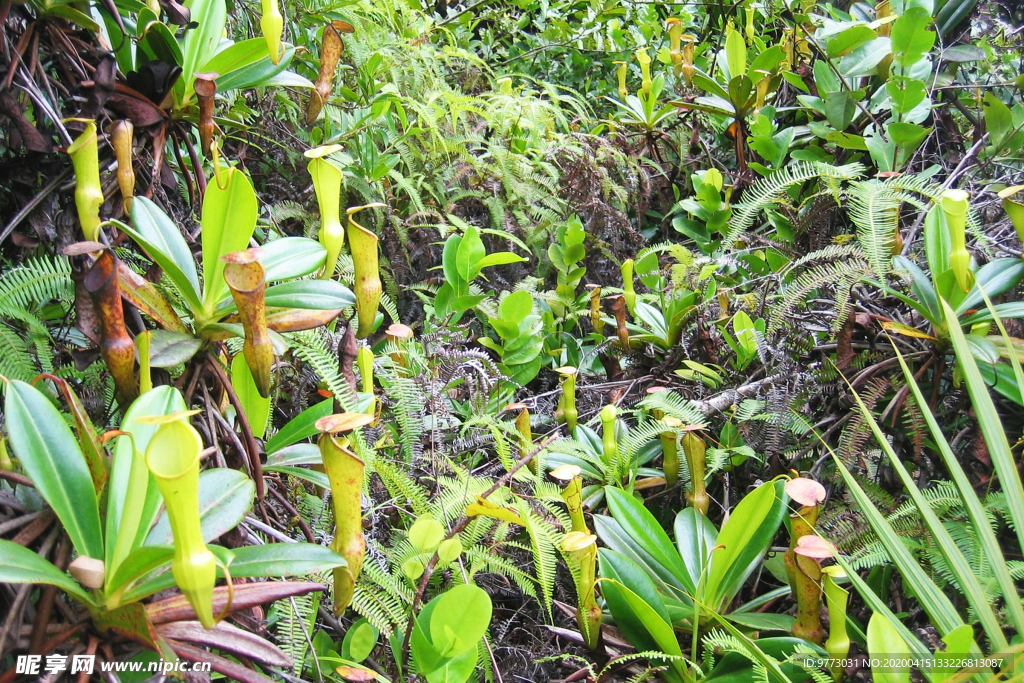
x=208 y=18
x=292 y=257
x=246 y=64
x=225 y=495
x=259 y=561
x=956 y=562
x=229 y=220
x=744 y=537
x=991 y=427
x=53 y=460
x=18 y=564
x=159 y=236
x=936 y=604
x=643 y=531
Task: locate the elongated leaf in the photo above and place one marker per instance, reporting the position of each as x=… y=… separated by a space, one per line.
x=625 y=571
x=18 y=564
x=139 y=563
x=312 y=476
x=88 y=439
x=302 y=426
x=315 y=294
x=168 y=349
x=162 y=400
x=208 y=18
x=957 y=564
x=246 y=64
x=658 y=629
x=259 y=561
x=229 y=219
x=256 y=407
x=696 y=537
x=1012 y=309
x=936 y=603
x=991 y=427
x=49 y=452
x=224 y=636
x=291 y=257
x=296 y=454
x=225 y=495
x=644 y=530
x=162 y=240
x=995 y=277
x=742 y=540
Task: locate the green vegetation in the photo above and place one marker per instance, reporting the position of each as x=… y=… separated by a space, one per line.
x=351 y=341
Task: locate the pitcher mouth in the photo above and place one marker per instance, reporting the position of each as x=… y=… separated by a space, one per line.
x=244 y=273
x=162 y=465
x=88 y=136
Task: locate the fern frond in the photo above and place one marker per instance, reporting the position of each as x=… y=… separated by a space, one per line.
x=768 y=190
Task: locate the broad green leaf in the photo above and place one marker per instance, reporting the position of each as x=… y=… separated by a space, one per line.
x=140 y=562
x=660 y=631
x=289 y=79
x=168 y=349
x=644 y=531
x=360 y=639
x=160 y=238
x=460 y=619
x=246 y=64
x=908 y=135
x=274 y=560
x=741 y=542
x=297 y=454
x=912 y=36
x=208 y=19
x=695 y=537
x=425 y=534
x=846 y=41
x=995 y=278
x=515 y=307
x=323 y=295
x=735 y=52
x=905 y=94
x=449 y=263
x=469 y=253
x=312 y=476
x=225 y=496
x=885 y=641
x=864 y=60
x=499 y=258
x=18 y=564
x=628 y=573
x=256 y=407
x=300 y=427
x=229 y=220
x=162 y=400
x=292 y=257
x=50 y=454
